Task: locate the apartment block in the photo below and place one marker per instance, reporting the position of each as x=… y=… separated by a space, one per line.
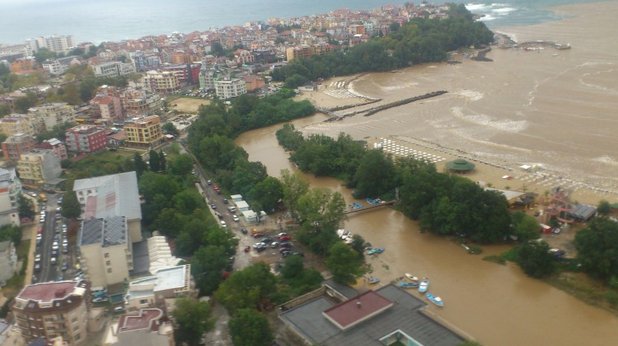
x=56 y=146
x=306 y=51
x=38 y=167
x=16 y=123
x=106 y=250
x=52 y=114
x=227 y=89
x=10 y=190
x=113 y=69
x=53 y=309
x=164 y=82
x=16 y=145
x=111 y=195
x=57 y=44
x=139 y=102
x=144 y=131
x=86 y=139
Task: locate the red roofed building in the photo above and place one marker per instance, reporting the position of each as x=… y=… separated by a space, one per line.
x=86 y=139
x=52 y=309
x=146 y=327
x=354 y=311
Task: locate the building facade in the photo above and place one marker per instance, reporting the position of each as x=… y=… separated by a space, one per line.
x=227 y=89
x=52 y=114
x=164 y=82
x=16 y=123
x=56 y=146
x=113 y=69
x=51 y=309
x=165 y=283
x=144 y=327
x=138 y=102
x=144 y=132
x=56 y=44
x=86 y=139
x=16 y=145
x=106 y=250
x=38 y=167
x=10 y=190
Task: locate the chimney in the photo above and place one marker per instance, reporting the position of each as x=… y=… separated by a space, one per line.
x=358 y=304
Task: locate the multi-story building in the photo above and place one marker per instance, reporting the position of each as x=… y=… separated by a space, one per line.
x=207 y=77
x=16 y=123
x=151 y=291
x=52 y=114
x=111 y=195
x=145 y=61
x=230 y=88
x=106 y=250
x=51 y=309
x=56 y=146
x=23 y=65
x=10 y=190
x=107 y=104
x=38 y=167
x=144 y=132
x=138 y=102
x=164 y=82
x=144 y=327
x=86 y=138
x=113 y=69
x=16 y=145
x=60 y=65
x=254 y=83
x=8 y=261
x=56 y=44
x=306 y=51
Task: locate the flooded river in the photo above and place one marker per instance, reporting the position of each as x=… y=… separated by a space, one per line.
x=497 y=305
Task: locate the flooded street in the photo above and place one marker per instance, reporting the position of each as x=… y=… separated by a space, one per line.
x=497 y=305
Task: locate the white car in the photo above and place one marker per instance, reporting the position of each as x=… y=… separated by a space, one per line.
x=235 y=218
x=223 y=224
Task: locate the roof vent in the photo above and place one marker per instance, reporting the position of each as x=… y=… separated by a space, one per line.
x=359 y=304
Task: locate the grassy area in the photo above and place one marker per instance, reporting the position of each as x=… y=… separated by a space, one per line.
x=102 y=163
x=495 y=259
x=588 y=290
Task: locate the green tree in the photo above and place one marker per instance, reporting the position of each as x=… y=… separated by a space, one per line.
x=170 y=129
x=267 y=193
x=208 y=265
x=525 y=227
x=250 y=288
x=293 y=187
x=597 y=248
x=71 y=208
x=250 y=328
x=604 y=208
x=180 y=165
x=321 y=208
x=344 y=263
x=154 y=161
x=139 y=164
x=193 y=319
x=25 y=207
x=43 y=54
x=162 y=161
x=535 y=260
x=375 y=175
x=22 y=104
x=4 y=110
x=10 y=232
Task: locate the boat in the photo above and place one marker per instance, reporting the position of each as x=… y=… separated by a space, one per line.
x=435 y=299
x=375 y=251
x=372 y=280
x=411 y=277
x=423 y=286
x=405 y=284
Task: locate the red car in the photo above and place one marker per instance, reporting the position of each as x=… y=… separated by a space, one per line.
x=285 y=237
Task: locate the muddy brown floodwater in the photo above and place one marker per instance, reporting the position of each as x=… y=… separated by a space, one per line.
x=497 y=305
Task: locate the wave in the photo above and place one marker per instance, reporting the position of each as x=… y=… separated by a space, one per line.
x=506 y=125
x=492 y=11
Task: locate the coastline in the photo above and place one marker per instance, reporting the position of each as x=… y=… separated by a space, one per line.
x=491 y=166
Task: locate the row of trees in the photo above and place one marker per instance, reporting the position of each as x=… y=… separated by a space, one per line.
x=211 y=139
x=418 y=41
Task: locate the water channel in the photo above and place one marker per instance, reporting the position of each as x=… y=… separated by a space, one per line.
x=497 y=305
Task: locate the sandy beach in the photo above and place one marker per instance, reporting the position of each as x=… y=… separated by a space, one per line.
x=551 y=108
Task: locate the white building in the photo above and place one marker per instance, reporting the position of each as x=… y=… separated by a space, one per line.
x=166 y=283
x=106 y=250
x=57 y=44
x=52 y=114
x=10 y=189
x=227 y=89
x=8 y=261
x=111 y=195
x=60 y=65
x=113 y=69
x=160 y=254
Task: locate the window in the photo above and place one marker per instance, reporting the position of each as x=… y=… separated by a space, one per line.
x=109 y=270
x=143 y=301
x=106 y=255
x=109 y=263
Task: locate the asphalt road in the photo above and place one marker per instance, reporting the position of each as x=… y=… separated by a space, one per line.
x=51 y=228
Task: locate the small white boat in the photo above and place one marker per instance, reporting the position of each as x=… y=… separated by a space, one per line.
x=372 y=280
x=423 y=286
x=435 y=299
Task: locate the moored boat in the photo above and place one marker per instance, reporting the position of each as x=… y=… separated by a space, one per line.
x=372 y=280
x=423 y=286
x=405 y=284
x=435 y=299
x=411 y=277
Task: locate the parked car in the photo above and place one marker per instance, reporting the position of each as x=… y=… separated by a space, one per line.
x=285 y=237
x=235 y=218
x=223 y=224
x=244 y=231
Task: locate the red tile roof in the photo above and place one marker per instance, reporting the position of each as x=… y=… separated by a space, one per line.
x=357 y=309
x=48 y=291
x=145 y=319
